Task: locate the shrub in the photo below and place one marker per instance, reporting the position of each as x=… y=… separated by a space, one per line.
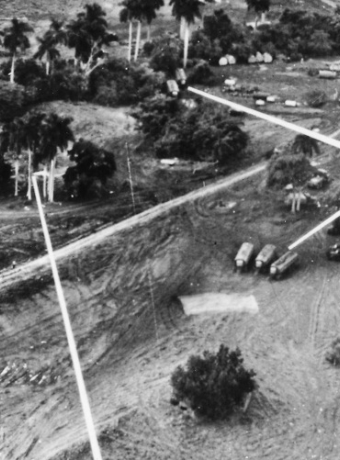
x=213 y=385
x=26 y=71
x=205 y=133
x=288 y=167
x=166 y=56
x=68 y=84
x=155 y=113
x=216 y=25
x=13 y=99
x=298 y=34
x=203 y=48
x=119 y=83
x=148 y=48
x=201 y=74
x=333 y=356
x=316 y=98
x=94 y=165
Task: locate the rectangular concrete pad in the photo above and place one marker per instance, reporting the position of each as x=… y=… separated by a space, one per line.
x=218 y=302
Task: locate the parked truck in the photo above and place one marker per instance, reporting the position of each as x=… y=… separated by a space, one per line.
x=244 y=256
x=265 y=257
x=283 y=264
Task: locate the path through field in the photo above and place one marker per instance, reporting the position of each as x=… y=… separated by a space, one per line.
x=131 y=333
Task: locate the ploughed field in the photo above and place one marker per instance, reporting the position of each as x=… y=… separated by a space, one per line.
x=131 y=333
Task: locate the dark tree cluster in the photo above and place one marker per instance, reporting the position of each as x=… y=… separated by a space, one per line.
x=214 y=385
x=119 y=83
x=205 y=133
x=93 y=167
x=298 y=34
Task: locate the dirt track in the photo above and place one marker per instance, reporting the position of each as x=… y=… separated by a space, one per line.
x=129 y=346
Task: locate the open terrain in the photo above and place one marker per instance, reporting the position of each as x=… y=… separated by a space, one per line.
x=122 y=284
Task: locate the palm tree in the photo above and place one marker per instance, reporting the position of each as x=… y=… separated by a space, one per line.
x=306 y=145
x=54 y=36
x=47 y=47
x=87 y=35
x=32 y=140
x=186 y=11
x=132 y=11
x=56 y=134
x=260 y=7
x=149 y=12
x=12 y=143
x=15 y=38
x=289 y=168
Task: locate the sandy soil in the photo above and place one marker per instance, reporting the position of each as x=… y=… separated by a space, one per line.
x=136 y=335
x=131 y=332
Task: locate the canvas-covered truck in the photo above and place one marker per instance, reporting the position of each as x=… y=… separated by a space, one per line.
x=265 y=257
x=283 y=264
x=244 y=256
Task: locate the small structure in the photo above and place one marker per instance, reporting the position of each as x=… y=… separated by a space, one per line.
x=259 y=57
x=223 y=61
x=265 y=257
x=290 y=103
x=333 y=252
x=267 y=58
x=231 y=59
x=317 y=182
x=230 y=82
x=283 y=264
x=181 y=77
x=172 y=87
x=244 y=256
x=273 y=99
x=252 y=59
x=329 y=74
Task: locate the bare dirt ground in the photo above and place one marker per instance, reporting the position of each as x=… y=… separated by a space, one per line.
x=131 y=332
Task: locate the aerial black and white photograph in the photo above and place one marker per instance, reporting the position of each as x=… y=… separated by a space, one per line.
x=169 y=229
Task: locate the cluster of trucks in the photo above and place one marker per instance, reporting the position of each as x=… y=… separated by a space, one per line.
x=267 y=260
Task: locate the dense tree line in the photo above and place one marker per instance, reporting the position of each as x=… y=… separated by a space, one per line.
x=205 y=132
x=297 y=34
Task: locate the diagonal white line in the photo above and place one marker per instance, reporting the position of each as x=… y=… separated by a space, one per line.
x=241 y=108
x=69 y=333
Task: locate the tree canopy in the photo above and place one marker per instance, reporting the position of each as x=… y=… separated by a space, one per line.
x=259 y=6
x=288 y=167
x=94 y=165
x=214 y=385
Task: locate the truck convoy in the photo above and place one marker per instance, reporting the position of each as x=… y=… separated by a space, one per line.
x=266 y=261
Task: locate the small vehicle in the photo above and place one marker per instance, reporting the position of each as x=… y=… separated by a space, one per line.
x=244 y=256
x=265 y=257
x=181 y=77
x=172 y=88
x=333 y=252
x=283 y=264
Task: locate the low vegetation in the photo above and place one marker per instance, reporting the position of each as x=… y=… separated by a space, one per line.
x=333 y=356
x=215 y=385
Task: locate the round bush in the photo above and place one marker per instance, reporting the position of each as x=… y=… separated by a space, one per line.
x=213 y=385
